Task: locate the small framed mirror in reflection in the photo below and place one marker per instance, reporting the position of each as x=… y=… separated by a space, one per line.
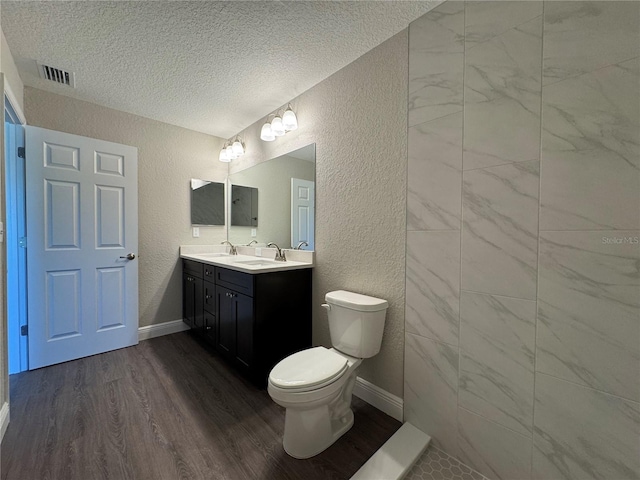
x=207 y=202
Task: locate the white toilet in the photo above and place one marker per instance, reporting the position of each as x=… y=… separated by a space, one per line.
x=315 y=385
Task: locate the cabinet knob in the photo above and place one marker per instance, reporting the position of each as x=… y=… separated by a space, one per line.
x=208 y=327
x=207 y=297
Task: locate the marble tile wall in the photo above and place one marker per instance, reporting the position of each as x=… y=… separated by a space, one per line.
x=522 y=353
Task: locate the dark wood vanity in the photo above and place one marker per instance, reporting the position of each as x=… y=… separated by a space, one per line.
x=253 y=320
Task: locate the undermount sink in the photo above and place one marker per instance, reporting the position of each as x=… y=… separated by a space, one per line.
x=256 y=263
x=211 y=255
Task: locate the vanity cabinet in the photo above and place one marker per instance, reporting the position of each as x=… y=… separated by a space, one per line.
x=251 y=320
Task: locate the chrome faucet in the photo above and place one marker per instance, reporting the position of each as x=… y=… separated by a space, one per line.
x=299 y=247
x=251 y=243
x=232 y=250
x=279 y=254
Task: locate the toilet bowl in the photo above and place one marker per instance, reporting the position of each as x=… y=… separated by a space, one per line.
x=316 y=385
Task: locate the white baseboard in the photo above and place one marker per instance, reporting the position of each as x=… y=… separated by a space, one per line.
x=4 y=419
x=160 y=329
x=379 y=398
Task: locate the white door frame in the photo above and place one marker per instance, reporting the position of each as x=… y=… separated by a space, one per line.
x=15 y=228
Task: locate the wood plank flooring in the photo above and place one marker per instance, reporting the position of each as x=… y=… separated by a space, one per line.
x=167 y=408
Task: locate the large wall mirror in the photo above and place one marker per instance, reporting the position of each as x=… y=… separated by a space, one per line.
x=277 y=198
x=207 y=202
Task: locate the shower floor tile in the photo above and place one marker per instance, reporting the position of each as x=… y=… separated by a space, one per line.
x=434 y=464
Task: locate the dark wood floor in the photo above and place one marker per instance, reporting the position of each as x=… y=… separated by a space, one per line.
x=166 y=409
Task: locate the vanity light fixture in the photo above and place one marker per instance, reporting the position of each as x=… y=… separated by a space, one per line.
x=266 y=133
x=238 y=148
x=223 y=156
x=231 y=151
x=279 y=126
x=289 y=119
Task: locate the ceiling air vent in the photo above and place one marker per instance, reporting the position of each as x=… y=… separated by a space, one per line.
x=57 y=75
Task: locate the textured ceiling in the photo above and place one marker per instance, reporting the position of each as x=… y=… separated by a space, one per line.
x=214 y=67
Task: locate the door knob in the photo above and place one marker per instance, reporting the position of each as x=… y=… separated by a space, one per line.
x=130 y=256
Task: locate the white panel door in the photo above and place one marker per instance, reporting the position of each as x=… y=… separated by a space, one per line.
x=302 y=213
x=82 y=224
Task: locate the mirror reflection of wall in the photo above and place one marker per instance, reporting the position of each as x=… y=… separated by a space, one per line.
x=278 y=181
x=244 y=206
x=207 y=202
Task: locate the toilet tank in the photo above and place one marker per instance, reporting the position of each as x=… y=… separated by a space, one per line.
x=356 y=322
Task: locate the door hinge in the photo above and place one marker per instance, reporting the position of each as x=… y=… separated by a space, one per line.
x=24 y=330
x=21 y=152
x=22 y=242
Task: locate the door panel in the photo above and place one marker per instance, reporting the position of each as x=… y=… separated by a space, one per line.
x=63 y=302
x=82 y=221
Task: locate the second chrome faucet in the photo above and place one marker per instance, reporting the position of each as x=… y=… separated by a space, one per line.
x=280 y=257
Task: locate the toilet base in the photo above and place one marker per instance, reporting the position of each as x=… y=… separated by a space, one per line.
x=310 y=432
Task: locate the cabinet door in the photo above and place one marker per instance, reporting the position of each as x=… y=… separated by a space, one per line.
x=192 y=300
x=209 y=297
x=243 y=310
x=226 y=325
x=210 y=327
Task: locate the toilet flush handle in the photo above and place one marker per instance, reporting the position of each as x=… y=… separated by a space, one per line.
x=326 y=305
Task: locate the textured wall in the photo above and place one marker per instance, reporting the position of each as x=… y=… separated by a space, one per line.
x=168 y=157
x=273 y=181
x=523 y=282
x=12 y=78
x=358 y=121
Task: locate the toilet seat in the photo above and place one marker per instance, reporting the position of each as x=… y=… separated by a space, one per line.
x=308 y=370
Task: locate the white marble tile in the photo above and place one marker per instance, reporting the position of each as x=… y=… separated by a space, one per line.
x=487 y=19
x=436 y=63
x=500 y=230
x=580 y=37
x=591 y=151
x=502 y=98
x=493 y=450
x=497 y=344
x=431 y=390
x=433 y=285
x=598 y=110
x=589 y=309
x=584 y=434
x=589 y=190
x=435 y=174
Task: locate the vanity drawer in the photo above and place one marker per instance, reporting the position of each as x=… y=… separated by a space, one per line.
x=238 y=281
x=192 y=268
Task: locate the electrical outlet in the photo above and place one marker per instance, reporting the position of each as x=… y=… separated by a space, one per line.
x=1 y=232
x=196 y=232
x=254 y=232
x=258 y=252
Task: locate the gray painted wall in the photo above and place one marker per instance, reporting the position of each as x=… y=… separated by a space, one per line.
x=358 y=120
x=523 y=288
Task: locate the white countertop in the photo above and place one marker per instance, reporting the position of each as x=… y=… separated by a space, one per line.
x=218 y=256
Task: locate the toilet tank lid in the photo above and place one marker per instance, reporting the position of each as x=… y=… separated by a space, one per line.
x=356 y=301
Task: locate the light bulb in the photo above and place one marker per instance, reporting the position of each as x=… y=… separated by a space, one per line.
x=266 y=133
x=223 y=156
x=289 y=120
x=277 y=127
x=230 y=153
x=237 y=147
